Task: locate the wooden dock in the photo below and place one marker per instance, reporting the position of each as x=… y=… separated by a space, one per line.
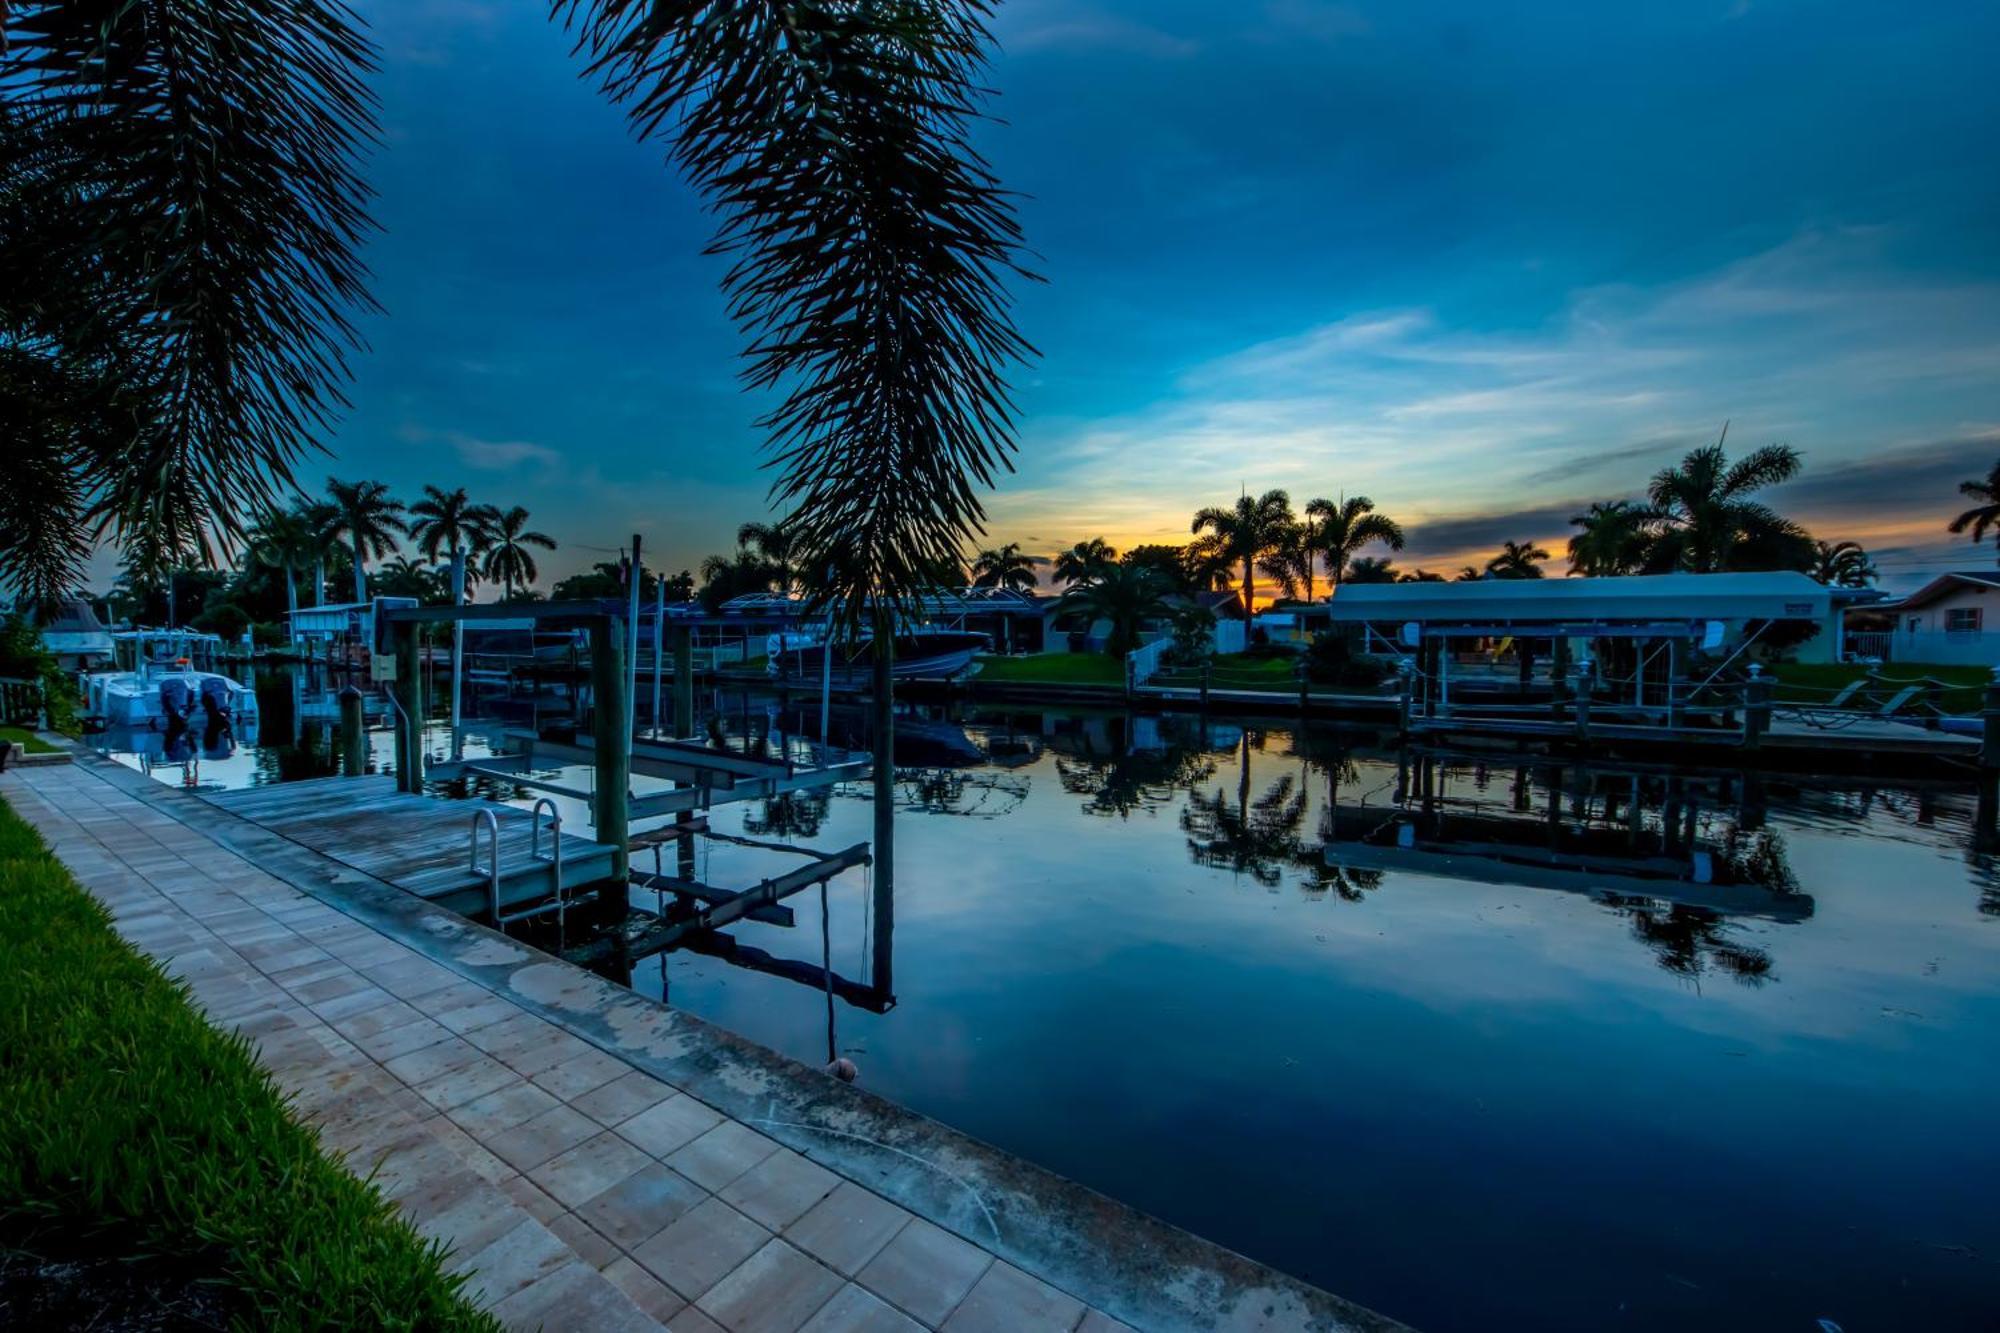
x=419 y=843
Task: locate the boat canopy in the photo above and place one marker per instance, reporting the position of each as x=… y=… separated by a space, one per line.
x=1634 y=599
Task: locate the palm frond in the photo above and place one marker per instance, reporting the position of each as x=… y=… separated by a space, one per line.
x=207 y=152
x=869 y=246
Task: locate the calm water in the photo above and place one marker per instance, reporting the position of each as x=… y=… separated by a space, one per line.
x=1121 y=951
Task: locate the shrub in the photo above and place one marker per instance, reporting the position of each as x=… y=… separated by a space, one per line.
x=1331 y=660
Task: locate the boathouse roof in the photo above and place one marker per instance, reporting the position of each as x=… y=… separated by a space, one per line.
x=1776 y=595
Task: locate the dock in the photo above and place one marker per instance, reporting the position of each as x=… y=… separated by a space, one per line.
x=438 y=850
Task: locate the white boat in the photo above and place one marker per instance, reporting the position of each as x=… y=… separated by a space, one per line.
x=924 y=654
x=160 y=687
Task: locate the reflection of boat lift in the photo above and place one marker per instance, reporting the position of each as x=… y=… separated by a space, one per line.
x=1494 y=849
x=953 y=791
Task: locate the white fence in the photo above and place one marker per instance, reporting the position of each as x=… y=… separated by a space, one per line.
x=1936 y=646
x=1143 y=662
x=1230 y=636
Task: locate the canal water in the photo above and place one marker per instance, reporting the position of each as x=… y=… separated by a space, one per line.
x=1481 y=1043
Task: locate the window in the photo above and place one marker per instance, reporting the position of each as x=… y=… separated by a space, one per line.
x=1962 y=620
x=1913 y=624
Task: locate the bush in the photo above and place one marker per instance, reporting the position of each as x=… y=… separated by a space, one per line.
x=229 y=620
x=1331 y=660
x=1194 y=636
x=131 y=1127
x=25 y=657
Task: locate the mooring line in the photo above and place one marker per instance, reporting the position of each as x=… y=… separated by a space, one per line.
x=953 y=1176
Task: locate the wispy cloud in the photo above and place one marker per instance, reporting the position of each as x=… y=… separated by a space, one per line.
x=1032 y=27
x=1819 y=342
x=484 y=455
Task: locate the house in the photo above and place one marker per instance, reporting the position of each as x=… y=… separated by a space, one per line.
x=1954 y=620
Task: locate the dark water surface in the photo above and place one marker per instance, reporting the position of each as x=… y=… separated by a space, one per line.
x=1120 y=951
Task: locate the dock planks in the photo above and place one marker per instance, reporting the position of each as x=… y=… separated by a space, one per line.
x=418 y=843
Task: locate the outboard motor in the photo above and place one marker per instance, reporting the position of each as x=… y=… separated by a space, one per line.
x=176 y=700
x=215 y=698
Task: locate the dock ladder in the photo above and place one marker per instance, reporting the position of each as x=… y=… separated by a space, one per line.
x=488 y=822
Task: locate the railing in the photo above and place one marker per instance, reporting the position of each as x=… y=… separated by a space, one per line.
x=21 y=701
x=1145 y=661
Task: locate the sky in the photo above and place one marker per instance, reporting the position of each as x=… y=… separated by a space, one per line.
x=1484 y=264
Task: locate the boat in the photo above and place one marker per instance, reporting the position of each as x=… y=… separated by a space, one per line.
x=925 y=654
x=160 y=687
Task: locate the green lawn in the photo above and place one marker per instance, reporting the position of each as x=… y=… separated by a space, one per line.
x=26 y=739
x=1053 y=669
x=130 y=1127
x=1239 y=671
x=1817 y=682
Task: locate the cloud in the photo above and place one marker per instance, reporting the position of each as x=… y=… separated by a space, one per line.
x=484 y=455
x=1822 y=342
x=1316 y=19
x=1025 y=28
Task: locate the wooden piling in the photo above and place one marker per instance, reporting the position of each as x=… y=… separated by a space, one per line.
x=1987 y=814
x=353 y=733
x=409 y=692
x=1756 y=707
x=611 y=726
x=884 y=704
x=683 y=682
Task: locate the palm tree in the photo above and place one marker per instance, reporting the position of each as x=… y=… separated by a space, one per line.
x=1126 y=596
x=1517 y=560
x=1985 y=515
x=773 y=544
x=401 y=576
x=1245 y=534
x=1843 y=565
x=1467 y=574
x=322 y=521
x=1612 y=539
x=1083 y=559
x=1710 y=522
x=1370 y=569
x=1339 y=530
x=284 y=540
x=370 y=519
x=507 y=558
x=446 y=525
x=1420 y=576
x=1290 y=563
x=1004 y=567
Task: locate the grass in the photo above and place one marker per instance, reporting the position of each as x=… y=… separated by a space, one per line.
x=1239 y=671
x=1817 y=682
x=26 y=739
x=1053 y=669
x=132 y=1128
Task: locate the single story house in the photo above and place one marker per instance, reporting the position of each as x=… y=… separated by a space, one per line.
x=1954 y=620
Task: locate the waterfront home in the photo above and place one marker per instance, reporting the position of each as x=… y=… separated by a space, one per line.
x=1953 y=620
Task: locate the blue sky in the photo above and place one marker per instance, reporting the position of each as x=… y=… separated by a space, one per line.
x=1482 y=263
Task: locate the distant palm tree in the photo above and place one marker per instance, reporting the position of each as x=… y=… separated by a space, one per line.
x=1126 y=596
x=1709 y=521
x=370 y=519
x=1612 y=539
x=322 y=520
x=1371 y=569
x=1082 y=559
x=1420 y=576
x=1006 y=568
x=1843 y=565
x=284 y=540
x=1984 y=516
x=507 y=560
x=1340 y=530
x=446 y=525
x=773 y=544
x=1517 y=560
x=1467 y=574
x=1244 y=534
x=404 y=577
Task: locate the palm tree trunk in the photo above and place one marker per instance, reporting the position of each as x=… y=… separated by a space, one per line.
x=360 y=574
x=291 y=603
x=457 y=642
x=1249 y=596
x=319 y=581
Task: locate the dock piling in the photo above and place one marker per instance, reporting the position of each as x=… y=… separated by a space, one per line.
x=1987 y=815
x=611 y=727
x=408 y=689
x=353 y=733
x=1756 y=707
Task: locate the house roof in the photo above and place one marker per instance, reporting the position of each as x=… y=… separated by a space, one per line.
x=1939 y=586
x=1775 y=595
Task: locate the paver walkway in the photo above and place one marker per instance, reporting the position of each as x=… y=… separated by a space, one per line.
x=580 y=1189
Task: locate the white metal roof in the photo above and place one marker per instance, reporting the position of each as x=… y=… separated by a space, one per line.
x=1778 y=595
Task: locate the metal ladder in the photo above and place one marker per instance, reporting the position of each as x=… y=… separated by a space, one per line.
x=486 y=819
